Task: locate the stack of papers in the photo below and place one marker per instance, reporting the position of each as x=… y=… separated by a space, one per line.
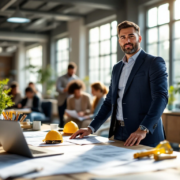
x=75 y=115
x=89 y=140
x=101 y=160
x=35 y=139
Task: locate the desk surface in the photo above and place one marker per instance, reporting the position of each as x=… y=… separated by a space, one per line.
x=82 y=176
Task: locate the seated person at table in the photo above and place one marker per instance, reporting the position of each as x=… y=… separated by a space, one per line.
x=79 y=101
x=33 y=102
x=98 y=90
x=15 y=94
x=33 y=86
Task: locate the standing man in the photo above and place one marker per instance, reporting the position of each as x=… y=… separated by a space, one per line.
x=137 y=94
x=61 y=88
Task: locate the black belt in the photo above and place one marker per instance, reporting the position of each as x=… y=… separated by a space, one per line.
x=120 y=123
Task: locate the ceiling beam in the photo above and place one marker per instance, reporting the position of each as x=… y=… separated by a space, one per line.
x=98 y=4
x=25 y=37
x=56 y=16
x=7 y=5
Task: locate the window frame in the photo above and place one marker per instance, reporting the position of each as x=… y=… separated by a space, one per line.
x=99 y=44
x=171 y=34
x=57 y=51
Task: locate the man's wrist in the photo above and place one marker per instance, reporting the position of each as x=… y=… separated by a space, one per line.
x=143 y=128
x=90 y=130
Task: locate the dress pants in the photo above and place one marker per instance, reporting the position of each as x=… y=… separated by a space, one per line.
x=61 y=110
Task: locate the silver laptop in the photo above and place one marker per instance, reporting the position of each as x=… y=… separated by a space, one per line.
x=13 y=141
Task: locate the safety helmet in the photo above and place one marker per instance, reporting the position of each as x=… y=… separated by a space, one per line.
x=53 y=137
x=70 y=127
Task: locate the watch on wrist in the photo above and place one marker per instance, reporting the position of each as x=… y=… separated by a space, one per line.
x=142 y=128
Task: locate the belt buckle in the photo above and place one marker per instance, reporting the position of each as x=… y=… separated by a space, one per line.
x=122 y=123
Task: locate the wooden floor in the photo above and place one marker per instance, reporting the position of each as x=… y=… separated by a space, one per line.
x=166 y=174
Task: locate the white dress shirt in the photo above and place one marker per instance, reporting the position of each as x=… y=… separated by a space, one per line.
x=122 y=84
x=123 y=81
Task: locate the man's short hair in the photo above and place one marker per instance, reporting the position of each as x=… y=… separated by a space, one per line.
x=29 y=89
x=127 y=24
x=72 y=65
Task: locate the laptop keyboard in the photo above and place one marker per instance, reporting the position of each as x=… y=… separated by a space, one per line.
x=37 y=152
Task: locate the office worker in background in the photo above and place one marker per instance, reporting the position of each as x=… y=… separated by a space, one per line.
x=32 y=102
x=137 y=94
x=61 y=88
x=33 y=86
x=15 y=93
x=98 y=90
x=79 y=101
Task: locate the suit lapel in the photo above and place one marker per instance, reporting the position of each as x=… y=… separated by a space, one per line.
x=119 y=70
x=135 y=68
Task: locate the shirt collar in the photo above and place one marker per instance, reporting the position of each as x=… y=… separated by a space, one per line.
x=134 y=57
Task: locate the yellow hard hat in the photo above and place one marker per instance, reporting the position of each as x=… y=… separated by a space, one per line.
x=70 y=127
x=53 y=137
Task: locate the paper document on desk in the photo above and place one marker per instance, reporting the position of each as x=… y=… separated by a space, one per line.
x=75 y=115
x=39 y=143
x=13 y=166
x=35 y=139
x=138 y=166
x=83 y=159
x=89 y=140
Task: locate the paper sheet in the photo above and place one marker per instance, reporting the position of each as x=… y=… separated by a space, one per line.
x=13 y=165
x=138 y=166
x=74 y=114
x=89 y=140
x=38 y=143
x=35 y=139
x=85 y=161
x=101 y=160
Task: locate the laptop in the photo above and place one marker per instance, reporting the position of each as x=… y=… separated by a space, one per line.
x=13 y=141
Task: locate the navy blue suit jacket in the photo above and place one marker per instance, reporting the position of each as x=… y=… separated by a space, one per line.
x=145 y=98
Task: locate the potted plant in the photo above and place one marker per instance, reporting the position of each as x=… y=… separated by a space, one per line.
x=46 y=76
x=5 y=99
x=171 y=92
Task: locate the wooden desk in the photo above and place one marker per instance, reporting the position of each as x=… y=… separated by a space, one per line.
x=171 y=122
x=84 y=176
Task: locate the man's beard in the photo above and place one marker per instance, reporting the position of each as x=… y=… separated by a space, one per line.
x=130 y=50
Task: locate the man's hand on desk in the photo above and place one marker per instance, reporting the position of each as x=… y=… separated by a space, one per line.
x=135 y=138
x=81 y=133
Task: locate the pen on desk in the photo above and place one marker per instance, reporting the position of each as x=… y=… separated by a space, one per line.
x=23 y=118
x=17 y=117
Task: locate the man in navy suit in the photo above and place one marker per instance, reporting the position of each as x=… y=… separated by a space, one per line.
x=137 y=94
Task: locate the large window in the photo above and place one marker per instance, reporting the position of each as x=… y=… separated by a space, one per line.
x=163 y=30
x=34 y=58
x=158 y=32
x=62 y=55
x=102 y=52
x=176 y=42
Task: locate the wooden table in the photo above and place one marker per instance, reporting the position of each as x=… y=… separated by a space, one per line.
x=174 y=173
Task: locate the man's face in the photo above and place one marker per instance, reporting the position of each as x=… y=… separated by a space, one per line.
x=71 y=71
x=29 y=95
x=129 y=40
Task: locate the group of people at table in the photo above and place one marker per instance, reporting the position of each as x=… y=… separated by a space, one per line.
x=71 y=96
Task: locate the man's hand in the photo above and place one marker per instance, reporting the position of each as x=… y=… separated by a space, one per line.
x=135 y=138
x=82 y=132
